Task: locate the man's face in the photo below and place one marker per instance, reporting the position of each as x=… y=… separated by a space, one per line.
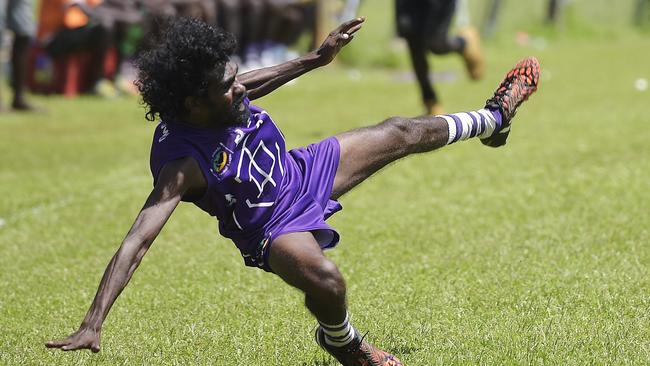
x=224 y=104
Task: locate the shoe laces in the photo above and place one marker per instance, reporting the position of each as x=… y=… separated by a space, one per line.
x=364 y=356
x=355 y=346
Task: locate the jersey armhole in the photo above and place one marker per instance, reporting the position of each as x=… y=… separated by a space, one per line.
x=186 y=198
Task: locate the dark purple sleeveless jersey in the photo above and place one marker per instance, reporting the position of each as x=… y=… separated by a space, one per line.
x=256 y=189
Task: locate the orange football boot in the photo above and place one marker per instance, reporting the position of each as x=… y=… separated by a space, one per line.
x=519 y=84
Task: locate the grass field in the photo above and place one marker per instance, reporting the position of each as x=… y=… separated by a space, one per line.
x=536 y=253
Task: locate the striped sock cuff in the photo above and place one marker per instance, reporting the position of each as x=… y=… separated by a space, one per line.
x=338 y=335
x=465 y=125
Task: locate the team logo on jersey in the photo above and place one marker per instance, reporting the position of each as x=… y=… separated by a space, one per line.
x=220 y=161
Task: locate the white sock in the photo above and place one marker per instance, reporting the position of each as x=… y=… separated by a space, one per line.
x=338 y=335
x=464 y=125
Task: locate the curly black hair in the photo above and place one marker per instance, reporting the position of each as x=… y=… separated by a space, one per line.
x=180 y=62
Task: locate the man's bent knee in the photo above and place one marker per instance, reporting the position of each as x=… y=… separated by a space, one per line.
x=300 y=262
x=326 y=281
x=442 y=45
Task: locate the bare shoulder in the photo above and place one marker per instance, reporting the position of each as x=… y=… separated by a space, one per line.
x=181 y=177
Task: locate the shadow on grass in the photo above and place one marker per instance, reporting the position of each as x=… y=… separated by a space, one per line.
x=397 y=351
x=321 y=362
x=402 y=350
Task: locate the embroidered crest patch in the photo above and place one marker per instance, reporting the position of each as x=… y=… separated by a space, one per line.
x=220 y=162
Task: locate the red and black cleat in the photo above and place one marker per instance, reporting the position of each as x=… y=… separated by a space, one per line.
x=357 y=353
x=519 y=84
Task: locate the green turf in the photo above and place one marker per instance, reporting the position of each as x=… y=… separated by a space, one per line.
x=536 y=253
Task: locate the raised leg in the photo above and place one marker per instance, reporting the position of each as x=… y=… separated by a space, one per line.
x=365 y=151
x=418 y=54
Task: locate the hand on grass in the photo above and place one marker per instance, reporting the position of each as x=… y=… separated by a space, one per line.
x=84 y=338
x=338 y=38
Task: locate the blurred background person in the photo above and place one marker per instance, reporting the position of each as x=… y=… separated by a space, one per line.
x=288 y=20
x=424 y=24
x=205 y=10
x=554 y=10
x=67 y=27
x=230 y=17
x=109 y=33
x=16 y=15
x=642 y=12
x=265 y=29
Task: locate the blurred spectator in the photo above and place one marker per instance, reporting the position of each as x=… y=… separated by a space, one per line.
x=265 y=29
x=17 y=16
x=287 y=21
x=93 y=26
x=425 y=26
x=230 y=18
x=110 y=31
x=199 y=9
x=554 y=10
x=642 y=12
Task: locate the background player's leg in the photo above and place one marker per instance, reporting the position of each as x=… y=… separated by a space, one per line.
x=19 y=72
x=440 y=42
x=466 y=43
x=418 y=52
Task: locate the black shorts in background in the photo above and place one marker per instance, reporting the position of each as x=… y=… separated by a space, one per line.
x=425 y=19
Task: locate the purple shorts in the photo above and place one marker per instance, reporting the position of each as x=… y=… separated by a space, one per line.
x=304 y=201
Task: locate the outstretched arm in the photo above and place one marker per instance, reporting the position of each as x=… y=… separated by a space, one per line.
x=263 y=81
x=176 y=178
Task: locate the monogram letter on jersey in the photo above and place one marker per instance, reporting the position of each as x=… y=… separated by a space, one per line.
x=262 y=166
